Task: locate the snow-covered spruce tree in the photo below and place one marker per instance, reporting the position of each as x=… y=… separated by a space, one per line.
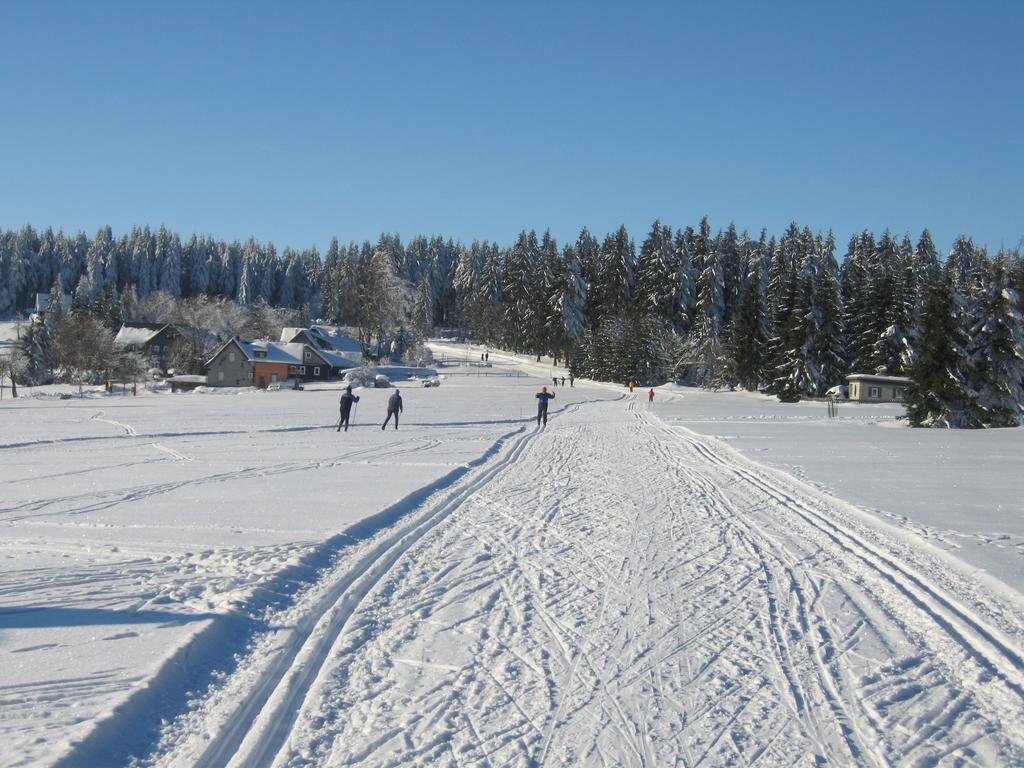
x=732 y=255
x=656 y=289
x=997 y=356
x=422 y=316
x=748 y=336
x=547 y=337
x=784 y=347
x=588 y=250
x=567 y=322
x=492 y=294
x=882 y=265
x=523 y=292
x=939 y=395
x=195 y=268
x=820 y=312
x=685 y=281
x=853 y=277
x=703 y=349
x=926 y=261
x=467 y=281
x=8 y=294
x=168 y=263
x=613 y=285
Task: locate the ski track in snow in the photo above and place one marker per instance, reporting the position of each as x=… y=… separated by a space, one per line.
x=610 y=590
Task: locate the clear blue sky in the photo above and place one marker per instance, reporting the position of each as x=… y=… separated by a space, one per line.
x=295 y=121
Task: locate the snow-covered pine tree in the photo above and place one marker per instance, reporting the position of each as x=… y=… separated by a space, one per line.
x=247 y=293
x=168 y=263
x=522 y=287
x=703 y=348
x=824 y=350
x=656 y=290
x=421 y=309
x=287 y=287
x=617 y=276
x=329 y=283
x=748 y=336
x=492 y=289
x=784 y=347
x=997 y=355
x=939 y=395
x=926 y=262
x=962 y=262
x=732 y=256
x=853 y=281
x=572 y=301
x=685 y=281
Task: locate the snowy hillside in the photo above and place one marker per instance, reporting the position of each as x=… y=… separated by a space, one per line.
x=215 y=579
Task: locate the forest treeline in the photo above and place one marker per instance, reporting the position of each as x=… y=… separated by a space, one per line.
x=714 y=308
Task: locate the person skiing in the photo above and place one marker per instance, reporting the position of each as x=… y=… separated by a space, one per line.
x=554 y=381
x=394 y=408
x=347 y=398
x=542 y=405
x=571 y=380
x=650 y=395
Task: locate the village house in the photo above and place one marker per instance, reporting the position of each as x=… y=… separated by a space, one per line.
x=154 y=341
x=877 y=387
x=262 y=363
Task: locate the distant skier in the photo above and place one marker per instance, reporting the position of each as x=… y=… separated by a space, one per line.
x=542 y=405
x=650 y=395
x=347 y=398
x=554 y=381
x=571 y=379
x=394 y=408
x=563 y=381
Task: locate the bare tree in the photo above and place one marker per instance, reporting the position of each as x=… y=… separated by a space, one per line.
x=83 y=347
x=156 y=307
x=7 y=370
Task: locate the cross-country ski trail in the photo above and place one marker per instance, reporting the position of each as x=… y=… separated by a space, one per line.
x=613 y=591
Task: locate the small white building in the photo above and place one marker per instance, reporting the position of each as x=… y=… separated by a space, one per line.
x=877 y=387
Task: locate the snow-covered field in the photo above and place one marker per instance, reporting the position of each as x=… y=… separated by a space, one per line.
x=222 y=578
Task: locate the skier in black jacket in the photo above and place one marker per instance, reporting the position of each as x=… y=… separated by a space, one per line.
x=347 y=398
x=394 y=408
x=542 y=404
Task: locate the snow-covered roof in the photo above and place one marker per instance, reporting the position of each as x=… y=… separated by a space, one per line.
x=273 y=352
x=336 y=360
x=879 y=378
x=188 y=378
x=325 y=338
x=137 y=335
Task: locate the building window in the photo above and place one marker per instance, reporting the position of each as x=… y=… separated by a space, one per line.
x=897 y=393
x=231 y=357
x=273 y=378
x=875 y=393
x=302 y=370
x=220 y=375
x=316 y=371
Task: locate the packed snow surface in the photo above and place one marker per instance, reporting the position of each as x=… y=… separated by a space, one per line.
x=222 y=578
